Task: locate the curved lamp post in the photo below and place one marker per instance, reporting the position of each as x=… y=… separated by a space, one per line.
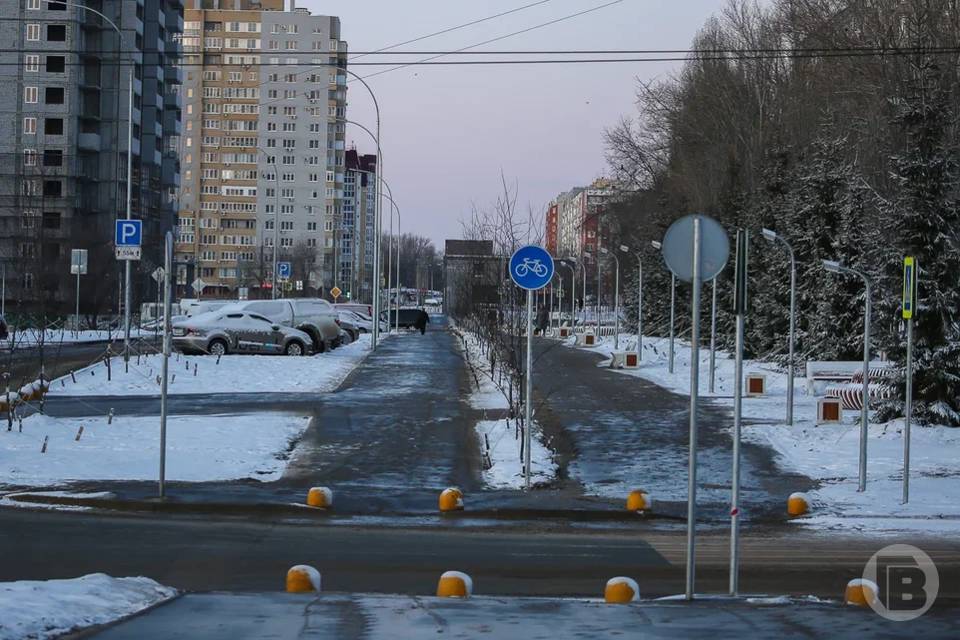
x=626 y=249
x=772 y=236
x=835 y=267
x=616 y=297
x=673 y=307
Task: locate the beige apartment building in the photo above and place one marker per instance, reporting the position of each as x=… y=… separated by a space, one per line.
x=263 y=157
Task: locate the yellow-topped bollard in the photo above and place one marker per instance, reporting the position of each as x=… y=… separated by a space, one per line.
x=320 y=497
x=861 y=593
x=621 y=590
x=797 y=504
x=451 y=500
x=454 y=584
x=303 y=579
x=639 y=500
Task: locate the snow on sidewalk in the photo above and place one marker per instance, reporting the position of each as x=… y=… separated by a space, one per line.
x=828 y=454
x=234 y=374
x=199 y=448
x=40 y=609
x=499 y=444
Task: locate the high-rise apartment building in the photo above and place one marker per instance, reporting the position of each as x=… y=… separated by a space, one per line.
x=63 y=142
x=263 y=147
x=356 y=233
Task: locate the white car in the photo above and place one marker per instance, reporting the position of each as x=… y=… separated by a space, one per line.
x=236 y=331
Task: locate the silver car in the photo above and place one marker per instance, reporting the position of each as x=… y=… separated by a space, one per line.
x=235 y=331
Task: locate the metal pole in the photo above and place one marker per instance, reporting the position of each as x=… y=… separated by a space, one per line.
x=616 y=304
x=694 y=384
x=793 y=324
x=599 y=279
x=528 y=399
x=573 y=296
x=167 y=315
x=673 y=306
x=735 y=497
x=864 y=412
x=639 y=309
x=126 y=269
x=276 y=230
x=398 y=268
x=713 y=337
x=3 y=295
x=550 y=306
x=583 y=307
x=389 y=270
x=908 y=412
x=77 y=320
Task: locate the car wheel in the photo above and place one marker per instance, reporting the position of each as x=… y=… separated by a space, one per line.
x=294 y=349
x=217 y=348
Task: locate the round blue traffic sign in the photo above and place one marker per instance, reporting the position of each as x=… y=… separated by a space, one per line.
x=531 y=267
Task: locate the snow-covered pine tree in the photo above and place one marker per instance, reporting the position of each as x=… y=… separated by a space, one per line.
x=926 y=213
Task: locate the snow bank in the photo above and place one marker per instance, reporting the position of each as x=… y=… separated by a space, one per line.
x=47 y=609
x=199 y=448
x=234 y=374
x=506 y=466
x=487 y=395
x=827 y=453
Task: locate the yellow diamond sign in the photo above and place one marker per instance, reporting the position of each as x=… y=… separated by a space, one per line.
x=335 y=292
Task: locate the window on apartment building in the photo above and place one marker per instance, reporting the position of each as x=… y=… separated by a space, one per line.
x=56 y=33
x=51 y=219
x=52 y=188
x=286 y=193
x=53 y=95
x=272 y=111
x=30 y=95
x=273 y=45
x=313 y=177
x=33 y=32
x=31 y=63
x=56 y=64
x=313 y=144
x=291 y=45
x=289 y=143
x=289 y=160
x=286 y=225
x=57 y=6
x=271 y=143
x=286 y=209
x=272 y=93
x=271 y=126
x=311 y=226
x=29 y=157
x=53 y=157
x=253 y=27
x=289 y=111
x=268 y=225
x=289 y=126
x=33 y=4
x=53 y=126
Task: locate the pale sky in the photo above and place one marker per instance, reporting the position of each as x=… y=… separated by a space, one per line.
x=448 y=131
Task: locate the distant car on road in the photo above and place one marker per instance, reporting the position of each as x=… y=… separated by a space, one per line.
x=236 y=331
x=365 y=309
x=362 y=321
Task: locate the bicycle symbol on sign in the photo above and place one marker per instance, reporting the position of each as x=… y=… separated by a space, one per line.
x=531 y=264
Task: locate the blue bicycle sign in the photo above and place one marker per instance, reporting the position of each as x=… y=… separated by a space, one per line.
x=531 y=267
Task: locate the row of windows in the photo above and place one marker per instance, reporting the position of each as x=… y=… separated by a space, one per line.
x=53 y=64
x=51 y=95
x=55 y=32
x=51 y=126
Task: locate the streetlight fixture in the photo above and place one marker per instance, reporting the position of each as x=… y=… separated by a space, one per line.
x=616 y=297
x=835 y=267
x=573 y=286
x=626 y=249
x=772 y=236
x=673 y=307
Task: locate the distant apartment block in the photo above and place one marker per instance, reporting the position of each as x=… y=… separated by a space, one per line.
x=264 y=160
x=63 y=143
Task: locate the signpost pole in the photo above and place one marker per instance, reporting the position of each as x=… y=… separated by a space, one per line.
x=740 y=301
x=167 y=315
x=910 y=277
x=528 y=393
x=694 y=384
x=713 y=337
x=76 y=321
x=639 y=308
x=673 y=306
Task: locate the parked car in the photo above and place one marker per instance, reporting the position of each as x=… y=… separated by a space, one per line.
x=313 y=316
x=408 y=317
x=366 y=309
x=235 y=331
x=349 y=330
x=362 y=321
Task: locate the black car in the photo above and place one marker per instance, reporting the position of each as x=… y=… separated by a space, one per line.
x=408 y=317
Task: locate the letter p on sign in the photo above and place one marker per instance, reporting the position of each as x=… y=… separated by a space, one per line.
x=128 y=233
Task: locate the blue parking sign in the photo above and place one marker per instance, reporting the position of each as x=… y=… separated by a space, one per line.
x=284 y=269
x=129 y=233
x=531 y=267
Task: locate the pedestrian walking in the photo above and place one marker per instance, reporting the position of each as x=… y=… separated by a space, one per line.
x=423 y=319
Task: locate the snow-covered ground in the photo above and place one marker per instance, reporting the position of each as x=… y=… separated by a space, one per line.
x=234 y=374
x=199 y=448
x=39 y=609
x=826 y=453
x=499 y=440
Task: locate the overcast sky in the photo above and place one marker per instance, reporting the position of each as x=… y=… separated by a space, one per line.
x=448 y=131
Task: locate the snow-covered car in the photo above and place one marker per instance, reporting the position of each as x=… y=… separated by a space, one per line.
x=236 y=331
x=365 y=309
x=348 y=327
x=314 y=316
x=362 y=321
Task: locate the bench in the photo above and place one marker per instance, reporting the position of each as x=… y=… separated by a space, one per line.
x=820 y=373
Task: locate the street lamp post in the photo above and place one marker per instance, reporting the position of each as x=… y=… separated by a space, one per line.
x=673 y=307
x=616 y=297
x=626 y=249
x=573 y=287
x=835 y=267
x=772 y=236
x=397 y=321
